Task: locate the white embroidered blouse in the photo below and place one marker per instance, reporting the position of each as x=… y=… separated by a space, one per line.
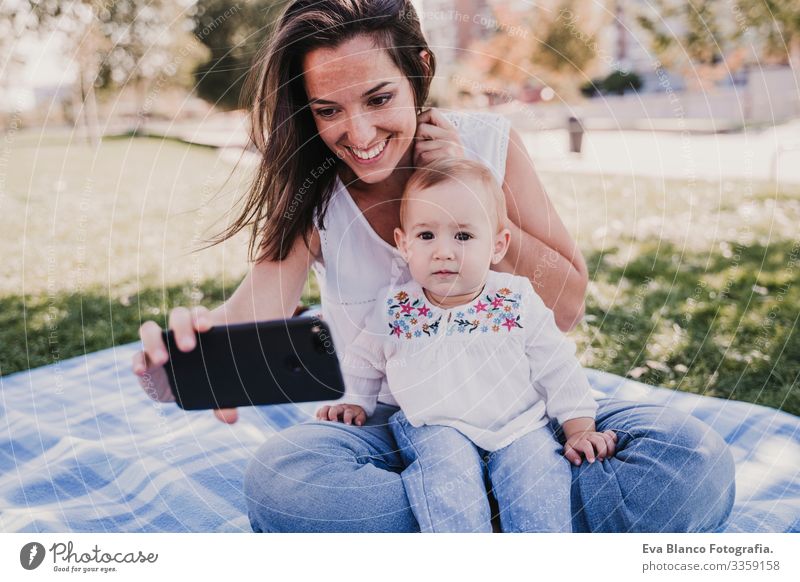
x=494 y=368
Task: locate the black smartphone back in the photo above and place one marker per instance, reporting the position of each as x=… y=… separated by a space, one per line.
x=268 y=362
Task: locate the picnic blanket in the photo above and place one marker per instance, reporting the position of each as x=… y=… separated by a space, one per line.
x=82 y=449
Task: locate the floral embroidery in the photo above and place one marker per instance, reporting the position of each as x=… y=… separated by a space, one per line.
x=411 y=317
x=493 y=312
x=501 y=307
x=464 y=325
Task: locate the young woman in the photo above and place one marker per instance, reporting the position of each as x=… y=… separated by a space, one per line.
x=337 y=112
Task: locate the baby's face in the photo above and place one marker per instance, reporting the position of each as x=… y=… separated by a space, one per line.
x=449 y=239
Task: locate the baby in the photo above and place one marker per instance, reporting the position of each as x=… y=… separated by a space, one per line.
x=476 y=364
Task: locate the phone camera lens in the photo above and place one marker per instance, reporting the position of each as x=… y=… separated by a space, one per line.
x=294 y=364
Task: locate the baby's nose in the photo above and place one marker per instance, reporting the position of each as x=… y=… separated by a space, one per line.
x=444 y=251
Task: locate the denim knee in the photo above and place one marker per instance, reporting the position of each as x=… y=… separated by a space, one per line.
x=326 y=477
x=280 y=481
x=709 y=484
x=671 y=473
x=262 y=479
x=699 y=471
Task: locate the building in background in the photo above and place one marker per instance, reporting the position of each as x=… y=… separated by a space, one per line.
x=451 y=26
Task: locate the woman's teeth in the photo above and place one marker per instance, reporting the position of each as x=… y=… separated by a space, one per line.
x=370 y=153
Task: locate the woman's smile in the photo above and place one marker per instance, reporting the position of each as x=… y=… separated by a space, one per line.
x=369 y=155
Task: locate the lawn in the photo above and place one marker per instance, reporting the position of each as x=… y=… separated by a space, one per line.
x=692 y=283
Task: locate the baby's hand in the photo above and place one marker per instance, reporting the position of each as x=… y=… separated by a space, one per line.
x=346 y=413
x=592 y=444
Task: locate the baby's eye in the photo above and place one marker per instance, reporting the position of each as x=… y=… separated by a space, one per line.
x=426 y=235
x=462 y=236
x=380 y=100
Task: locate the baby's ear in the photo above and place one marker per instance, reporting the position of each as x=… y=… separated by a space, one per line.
x=501 y=242
x=400 y=242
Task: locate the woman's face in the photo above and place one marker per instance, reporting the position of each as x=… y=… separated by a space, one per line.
x=363 y=106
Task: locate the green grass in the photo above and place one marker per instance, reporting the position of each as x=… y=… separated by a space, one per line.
x=707 y=325
x=692 y=284
x=44 y=329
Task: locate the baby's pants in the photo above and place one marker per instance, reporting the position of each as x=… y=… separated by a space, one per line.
x=446 y=478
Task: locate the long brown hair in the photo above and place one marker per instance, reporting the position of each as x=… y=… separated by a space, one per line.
x=297 y=171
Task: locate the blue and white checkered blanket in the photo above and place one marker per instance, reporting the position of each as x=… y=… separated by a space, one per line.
x=82 y=449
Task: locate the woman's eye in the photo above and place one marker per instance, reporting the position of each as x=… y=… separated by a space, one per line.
x=462 y=236
x=380 y=100
x=427 y=235
x=326 y=113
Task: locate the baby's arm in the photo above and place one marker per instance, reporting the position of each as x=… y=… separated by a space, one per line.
x=557 y=372
x=363 y=366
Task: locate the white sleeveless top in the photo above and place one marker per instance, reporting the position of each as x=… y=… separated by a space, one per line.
x=356 y=263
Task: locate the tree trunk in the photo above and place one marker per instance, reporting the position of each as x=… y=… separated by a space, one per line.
x=794 y=63
x=88 y=111
x=142 y=108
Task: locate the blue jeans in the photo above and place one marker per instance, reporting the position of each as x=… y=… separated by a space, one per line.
x=671 y=473
x=446 y=477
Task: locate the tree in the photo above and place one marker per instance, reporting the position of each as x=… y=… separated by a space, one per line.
x=14 y=22
x=555 y=45
x=74 y=21
x=778 y=24
x=115 y=44
x=694 y=36
x=233 y=33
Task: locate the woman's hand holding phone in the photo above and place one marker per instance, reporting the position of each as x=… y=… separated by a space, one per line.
x=148 y=365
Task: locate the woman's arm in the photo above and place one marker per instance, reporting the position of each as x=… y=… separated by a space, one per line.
x=540 y=247
x=271 y=290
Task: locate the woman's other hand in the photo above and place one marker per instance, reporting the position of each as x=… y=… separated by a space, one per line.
x=436 y=138
x=148 y=365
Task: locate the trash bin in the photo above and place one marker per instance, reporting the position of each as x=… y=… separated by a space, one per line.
x=576 y=130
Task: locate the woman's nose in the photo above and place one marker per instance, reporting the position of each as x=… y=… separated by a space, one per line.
x=361 y=131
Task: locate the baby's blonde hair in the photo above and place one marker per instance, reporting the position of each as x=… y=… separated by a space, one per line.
x=456 y=170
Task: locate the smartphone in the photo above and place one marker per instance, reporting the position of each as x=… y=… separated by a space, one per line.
x=249 y=364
